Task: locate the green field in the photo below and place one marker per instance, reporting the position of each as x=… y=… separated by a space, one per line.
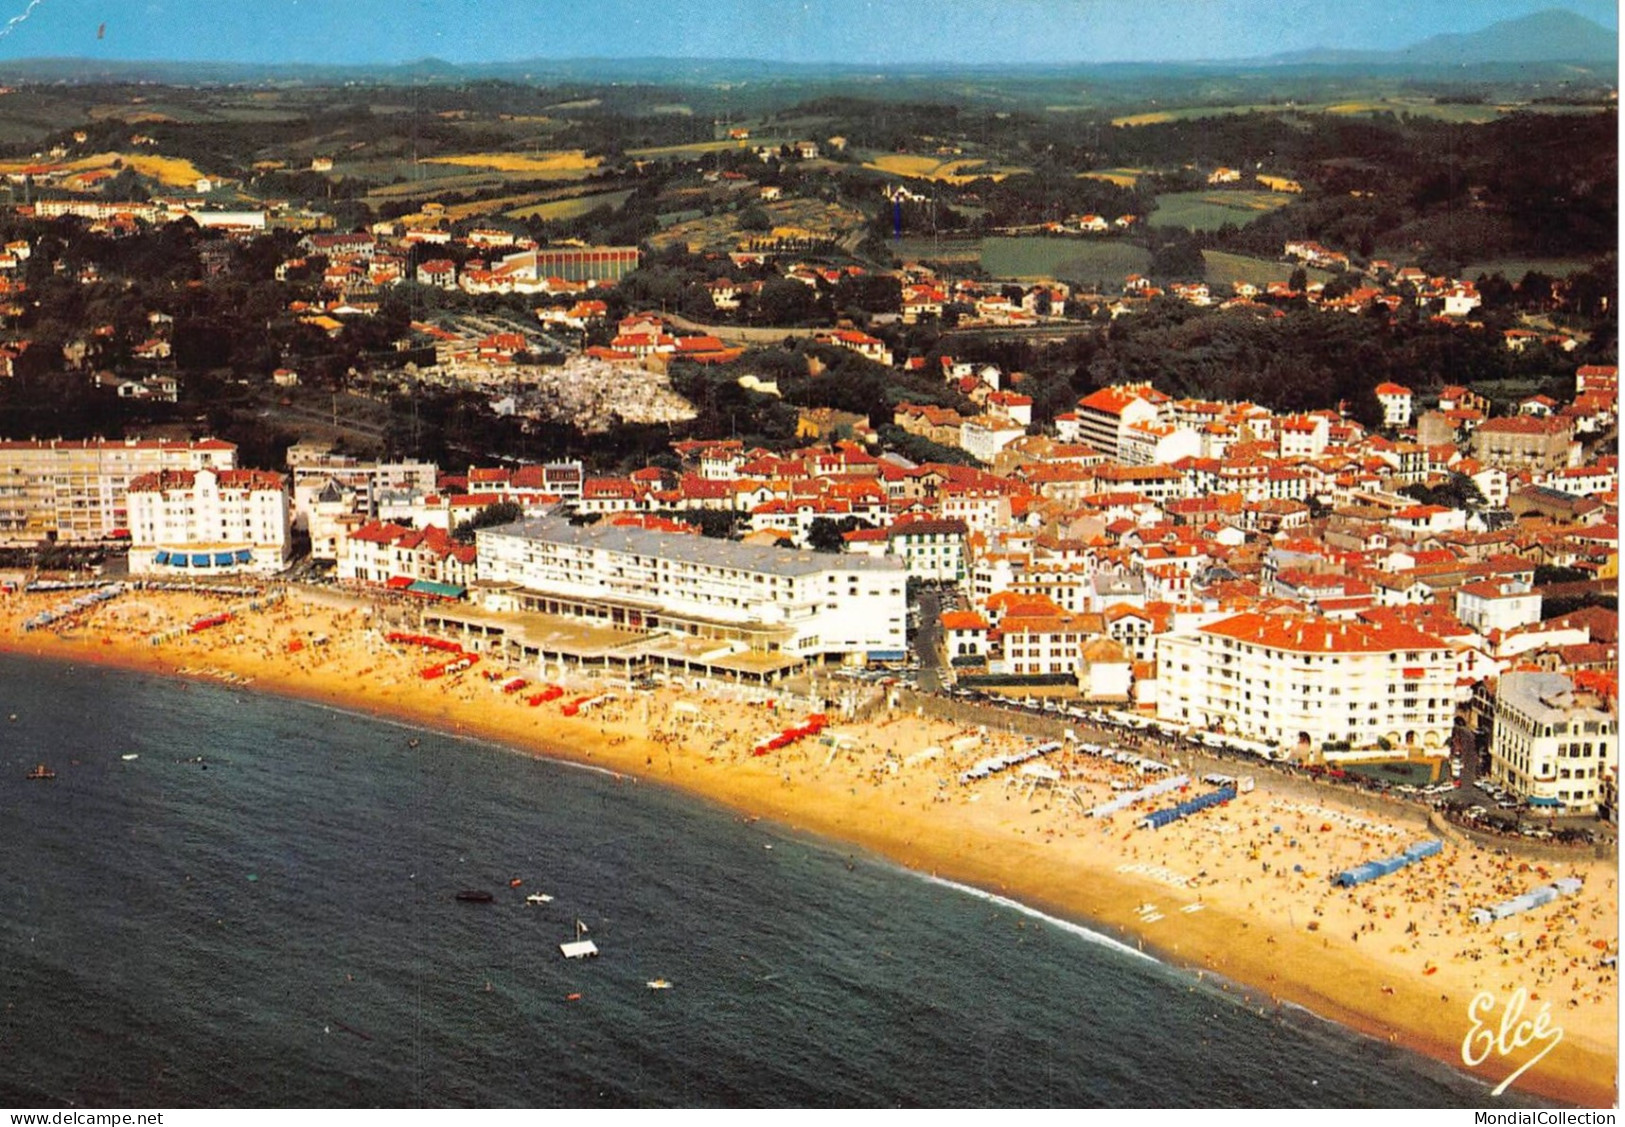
x=1208 y=211
x=914 y=248
x=1227 y=269
x=1513 y=269
x=573 y=208
x=703 y=148
x=432 y=180
x=1086 y=261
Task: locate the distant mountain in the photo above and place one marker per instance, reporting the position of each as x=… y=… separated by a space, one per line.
x=1552 y=36
x=1535 y=47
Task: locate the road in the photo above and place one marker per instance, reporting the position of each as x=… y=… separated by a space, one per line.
x=926 y=642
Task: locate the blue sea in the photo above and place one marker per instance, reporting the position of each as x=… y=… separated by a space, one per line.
x=259 y=911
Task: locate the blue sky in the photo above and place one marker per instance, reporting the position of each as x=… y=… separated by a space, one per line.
x=879 y=32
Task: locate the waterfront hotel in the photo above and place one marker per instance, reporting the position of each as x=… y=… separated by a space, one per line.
x=802 y=604
x=1308 y=683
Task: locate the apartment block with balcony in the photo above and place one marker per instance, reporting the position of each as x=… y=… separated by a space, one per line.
x=1305 y=683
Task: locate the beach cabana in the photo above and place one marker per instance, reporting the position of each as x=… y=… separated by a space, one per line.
x=1423 y=849
x=1546 y=894
x=1371 y=870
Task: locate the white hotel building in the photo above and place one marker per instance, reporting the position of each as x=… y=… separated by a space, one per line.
x=1554 y=741
x=812 y=605
x=207 y=523
x=68 y=491
x=1309 y=681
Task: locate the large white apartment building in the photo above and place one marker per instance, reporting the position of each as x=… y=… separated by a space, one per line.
x=1554 y=740
x=1104 y=416
x=186 y=523
x=803 y=603
x=1305 y=682
x=76 y=491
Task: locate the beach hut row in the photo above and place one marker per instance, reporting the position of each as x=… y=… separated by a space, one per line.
x=583 y=704
x=1371 y=870
x=548 y=692
x=1124 y=801
x=82 y=603
x=427 y=641
x=66 y=585
x=1567 y=886
x=202 y=624
x=1142 y=763
x=201 y=588
x=997 y=763
x=1159 y=818
x=455 y=665
x=815 y=724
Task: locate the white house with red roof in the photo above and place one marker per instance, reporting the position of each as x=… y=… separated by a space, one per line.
x=396 y=556
x=1423 y=520
x=870 y=348
x=438 y=272
x=965 y=635
x=1397 y=402
x=1497 y=604
x=1013 y=405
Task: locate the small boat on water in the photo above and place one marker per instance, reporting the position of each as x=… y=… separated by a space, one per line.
x=538 y=898
x=580 y=948
x=475 y=896
x=658 y=984
x=132 y=755
x=42 y=772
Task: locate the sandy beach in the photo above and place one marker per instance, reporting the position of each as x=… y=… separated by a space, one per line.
x=1241 y=891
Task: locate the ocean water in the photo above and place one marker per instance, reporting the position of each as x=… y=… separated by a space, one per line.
x=259 y=911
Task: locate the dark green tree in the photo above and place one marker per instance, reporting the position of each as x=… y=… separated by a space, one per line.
x=499 y=512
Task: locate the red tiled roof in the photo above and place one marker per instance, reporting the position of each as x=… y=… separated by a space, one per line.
x=1316 y=635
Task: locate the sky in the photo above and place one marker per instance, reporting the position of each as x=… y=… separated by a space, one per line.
x=865 y=32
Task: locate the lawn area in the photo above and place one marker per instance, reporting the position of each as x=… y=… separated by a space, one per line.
x=959 y=170
x=1101 y=261
x=424 y=180
x=563 y=163
x=1208 y=211
x=701 y=148
x=171 y=171
x=920 y=248
x=1513 y=269
x=1227 y=269
x=1122 y=177
x=572 y=208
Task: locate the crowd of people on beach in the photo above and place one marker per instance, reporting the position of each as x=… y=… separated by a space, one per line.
x=1266 y=857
